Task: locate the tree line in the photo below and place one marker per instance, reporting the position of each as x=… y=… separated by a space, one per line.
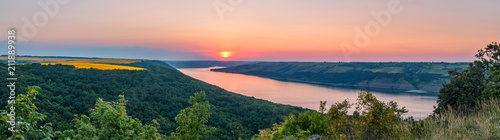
x=157 y=94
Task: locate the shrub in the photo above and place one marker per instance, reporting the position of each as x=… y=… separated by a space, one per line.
x=480 y=81
x=373 y=119
x=26 y=118
x=109 y=120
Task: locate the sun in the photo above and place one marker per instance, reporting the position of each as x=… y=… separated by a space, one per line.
x=225 y=54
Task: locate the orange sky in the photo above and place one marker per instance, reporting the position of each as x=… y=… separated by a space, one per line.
x=261 y=30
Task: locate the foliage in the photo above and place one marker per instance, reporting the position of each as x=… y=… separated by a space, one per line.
x=376 y=119
x=490 y=57
x=26 y=118
x=157 y=93
x=289 y=129
x=307 y=123
x=340 y=126
x=373 y=119
x=468 y=108
x=467 y=88
x=109 y=120
x=192 y=119
x=464 y=90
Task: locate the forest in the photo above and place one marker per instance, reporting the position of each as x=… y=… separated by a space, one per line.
x=158 y=93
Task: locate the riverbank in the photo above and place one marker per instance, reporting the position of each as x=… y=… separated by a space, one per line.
x=423 y=76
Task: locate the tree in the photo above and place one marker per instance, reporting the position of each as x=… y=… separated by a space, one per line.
x=464 y=90
x=109 y=120
x=192 y=119
x=26 y=118
x=467 y=88
x=490 y=57
x=377 y=120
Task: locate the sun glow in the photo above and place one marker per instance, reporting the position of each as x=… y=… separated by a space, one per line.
x=225 y=54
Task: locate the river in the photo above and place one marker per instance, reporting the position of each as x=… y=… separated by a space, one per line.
x=419 y=105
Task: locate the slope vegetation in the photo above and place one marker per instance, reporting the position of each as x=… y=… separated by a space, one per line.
x=159 y=92
x=396 y=76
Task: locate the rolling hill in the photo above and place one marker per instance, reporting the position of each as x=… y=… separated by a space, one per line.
x=206 y=64
x=156 y=92
x=426 y=76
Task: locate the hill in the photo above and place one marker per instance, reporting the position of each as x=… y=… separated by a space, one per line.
x=157 y=92
x=97 y=63
x=426 y=76
x=206 y=64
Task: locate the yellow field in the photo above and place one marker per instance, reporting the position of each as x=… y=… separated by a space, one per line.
x=103 y=64
x=97 y=66
x=74 y=60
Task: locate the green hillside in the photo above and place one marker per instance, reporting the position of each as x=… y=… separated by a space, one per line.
x=206 y=64
x=385 y=75
x=159 y=93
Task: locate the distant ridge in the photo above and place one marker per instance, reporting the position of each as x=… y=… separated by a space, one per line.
x=207 y=64
x=143 y=63
x=426 y=76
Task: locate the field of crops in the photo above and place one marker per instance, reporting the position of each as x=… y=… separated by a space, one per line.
x=76 y=60
x=97 y=66
x=103 y=64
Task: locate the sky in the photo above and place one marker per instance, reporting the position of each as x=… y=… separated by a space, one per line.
x=253 y=30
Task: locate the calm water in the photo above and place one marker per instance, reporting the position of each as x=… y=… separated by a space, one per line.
x=306 y=95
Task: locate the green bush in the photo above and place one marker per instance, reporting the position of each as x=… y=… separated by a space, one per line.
x=109 y=120
x=192 y=120
x=467 y=88
x=373 y=119
x=26 y=119
x=464 y=90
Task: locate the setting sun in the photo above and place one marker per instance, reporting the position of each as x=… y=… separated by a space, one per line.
x=225 y=54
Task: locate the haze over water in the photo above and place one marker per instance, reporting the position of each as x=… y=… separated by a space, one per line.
x=307 y=95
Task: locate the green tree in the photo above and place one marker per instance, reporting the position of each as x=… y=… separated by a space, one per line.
x=375 y=120
x=109 y=120
x=467 y=88
x=26 y=118
x=192 y=119
x=464 y=90
x=339 y=124
x=490 y=57
x=378 y=119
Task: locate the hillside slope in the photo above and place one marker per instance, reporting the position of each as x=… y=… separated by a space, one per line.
x=206 y=64
x=155 y=93
x=396 y=76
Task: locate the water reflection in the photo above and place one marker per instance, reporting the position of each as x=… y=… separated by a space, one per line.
x=307 y=95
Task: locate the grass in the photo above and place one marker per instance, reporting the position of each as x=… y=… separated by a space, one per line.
x=482 y=124
x=97 y=66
